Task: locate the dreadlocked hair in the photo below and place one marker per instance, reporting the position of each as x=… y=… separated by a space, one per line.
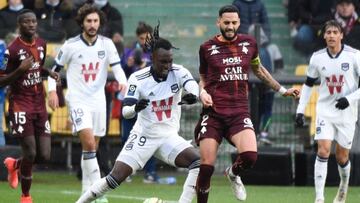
x=154 y=41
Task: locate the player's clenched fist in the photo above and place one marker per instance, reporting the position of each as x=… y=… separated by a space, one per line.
x=188 y=99
x=299 y=120
x=141 y=104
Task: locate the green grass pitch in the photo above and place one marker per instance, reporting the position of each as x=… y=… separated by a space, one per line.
x=62 y=187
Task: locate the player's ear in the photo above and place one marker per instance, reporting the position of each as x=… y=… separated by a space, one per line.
x=218 y=22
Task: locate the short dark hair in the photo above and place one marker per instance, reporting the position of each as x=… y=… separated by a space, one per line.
x=143 y=28
x=332 y=23
x=344 y=1
x=87 y=9
x=229 y=9
x=22 y=12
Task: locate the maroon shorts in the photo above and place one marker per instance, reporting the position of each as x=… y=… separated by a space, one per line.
x=216 y=126
x=24 y=124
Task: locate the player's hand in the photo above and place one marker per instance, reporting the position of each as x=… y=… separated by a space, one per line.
x=188 y=99
x=26 y=64
x=142 y=104
x=299 y=120
x=53 y=100
x=206 y=99
x=122 y=88
x=292 y=92
x=55 y=76
x=342 y=103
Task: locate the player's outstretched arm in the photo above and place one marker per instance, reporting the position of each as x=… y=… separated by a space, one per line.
x=53 y=100
x=261 y=72
x=24 y=66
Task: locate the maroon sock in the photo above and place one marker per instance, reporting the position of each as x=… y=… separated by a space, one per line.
x=244 y=161
x=203 y=183
x=26 y=176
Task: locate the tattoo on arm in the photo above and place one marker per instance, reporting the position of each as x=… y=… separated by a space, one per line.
x=261 y=72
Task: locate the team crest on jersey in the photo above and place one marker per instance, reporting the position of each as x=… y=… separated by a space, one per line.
x=101 y=54
x=132 y=89
x=22 y=54
x=174 y=88
x=214 y=50
x=345 y=66
x=244 y=46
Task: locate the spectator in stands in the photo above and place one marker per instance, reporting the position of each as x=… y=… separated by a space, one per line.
x=312 y=15
x=135 y=58
x=8 y=16
x=53 y=15
x=2 y=94
x=251 y=12
x=293 y=16
x=269 y=54
x=337 y=66
x=346 y=15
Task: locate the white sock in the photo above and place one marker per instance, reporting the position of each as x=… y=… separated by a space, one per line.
x=320 y=173
x=85 y=181
x=189 y=186
x=90 y=169
x=98 y=189
x=344 y=173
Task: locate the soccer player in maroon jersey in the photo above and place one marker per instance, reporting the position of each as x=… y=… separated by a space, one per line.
x=225 y=62
x=24 y=60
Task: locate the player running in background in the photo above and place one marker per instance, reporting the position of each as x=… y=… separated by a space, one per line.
x=87 y=57
x=23 y=71
x=153 y=94
x=225 y=62
x=338 y=67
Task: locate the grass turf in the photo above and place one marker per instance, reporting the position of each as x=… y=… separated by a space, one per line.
x=62 y=187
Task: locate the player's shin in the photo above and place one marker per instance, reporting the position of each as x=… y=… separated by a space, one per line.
x=189 y=191
x=203 y=183
x=90 y=169
x=98 y=189
x=320 y=173
x=344 y=172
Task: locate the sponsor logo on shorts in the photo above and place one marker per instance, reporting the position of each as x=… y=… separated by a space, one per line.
x=78 y=121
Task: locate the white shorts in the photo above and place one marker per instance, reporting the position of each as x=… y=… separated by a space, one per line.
x=343 y=133
x=83 y=118
x=139 y=148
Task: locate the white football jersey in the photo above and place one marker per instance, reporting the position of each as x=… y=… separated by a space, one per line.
x=87 y=68
x=339 y=77
x=162 y=115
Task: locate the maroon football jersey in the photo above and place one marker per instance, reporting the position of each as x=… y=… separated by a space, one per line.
x=27 y=92
x=226 y=68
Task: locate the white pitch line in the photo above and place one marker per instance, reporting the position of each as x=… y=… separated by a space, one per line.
x=67 y=192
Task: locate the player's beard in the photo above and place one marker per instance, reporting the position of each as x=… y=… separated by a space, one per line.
x=223 y=33
x=91 y=33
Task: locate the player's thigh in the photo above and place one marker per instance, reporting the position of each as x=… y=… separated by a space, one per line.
x=209 y=126
x=171 y=147
x=22 y=123
x=138 y=149
x=245 y=141
x=99 y=123
x=81 y=117
x=325 y=129
x=345 y=134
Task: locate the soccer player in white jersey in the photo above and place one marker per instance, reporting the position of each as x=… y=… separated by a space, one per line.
x=338 y=67
x=154 y=94
x=87 y=57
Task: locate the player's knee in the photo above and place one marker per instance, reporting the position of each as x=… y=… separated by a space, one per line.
x=43 y=157
x=30 y=155
x=244 y=161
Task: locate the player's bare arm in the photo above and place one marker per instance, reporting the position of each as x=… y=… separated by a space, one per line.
x=205 y=98
x=260 y=71
x=24 y=66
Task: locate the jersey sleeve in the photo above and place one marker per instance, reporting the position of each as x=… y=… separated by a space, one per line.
x=63 y=55
x=357 y=62
x=203 y=63
x=132 y=90
x=113 y=54
x=312 y=70
x=5 y=62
